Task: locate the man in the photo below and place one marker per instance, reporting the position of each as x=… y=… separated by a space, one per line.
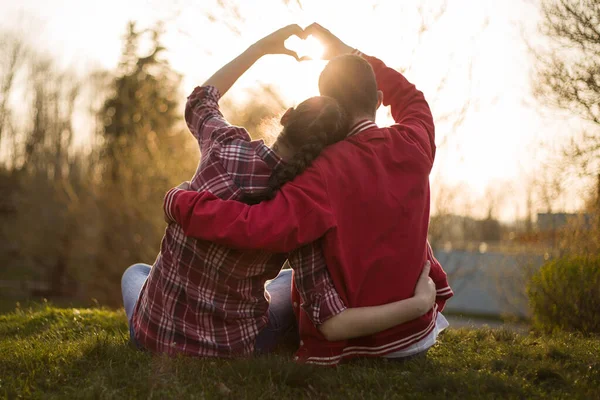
x=365 y=200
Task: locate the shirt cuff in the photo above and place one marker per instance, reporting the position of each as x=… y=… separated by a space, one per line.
x=324 y=306
x=444 y=292
x=169 y=203
x=205 y=95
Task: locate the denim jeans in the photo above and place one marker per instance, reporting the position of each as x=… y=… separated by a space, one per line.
x=282 y=322
x=131 y=285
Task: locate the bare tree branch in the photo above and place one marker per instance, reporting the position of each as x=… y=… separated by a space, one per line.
x=568 y=74
x=15 y=50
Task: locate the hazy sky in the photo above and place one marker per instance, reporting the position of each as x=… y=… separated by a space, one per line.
x=498 y=142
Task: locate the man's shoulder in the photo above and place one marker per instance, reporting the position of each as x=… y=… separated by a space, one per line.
x=340 y=147
x=352 y=146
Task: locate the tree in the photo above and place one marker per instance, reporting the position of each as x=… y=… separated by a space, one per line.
x=569 y=78
x=40 y=165
x=144 y=150
x=143 y=103
x=568 y=74
x=15 y=52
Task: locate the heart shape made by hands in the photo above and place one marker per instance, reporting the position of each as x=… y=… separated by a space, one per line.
x=309 y=48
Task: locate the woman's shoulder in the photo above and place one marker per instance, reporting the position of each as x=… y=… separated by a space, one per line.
x=247 y=161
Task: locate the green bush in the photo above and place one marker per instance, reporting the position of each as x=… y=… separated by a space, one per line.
x=565 y=295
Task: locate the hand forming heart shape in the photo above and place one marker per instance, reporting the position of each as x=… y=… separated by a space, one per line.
x=275 y=42
x=328 y=44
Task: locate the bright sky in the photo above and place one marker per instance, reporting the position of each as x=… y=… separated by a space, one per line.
x=499 y=140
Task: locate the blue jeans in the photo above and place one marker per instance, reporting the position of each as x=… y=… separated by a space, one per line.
x=282 y=321
x=131 y=285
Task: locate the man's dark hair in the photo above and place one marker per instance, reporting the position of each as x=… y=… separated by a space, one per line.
x=351 y=81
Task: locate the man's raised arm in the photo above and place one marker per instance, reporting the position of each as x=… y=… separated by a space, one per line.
x=298 y=215
x=408 y=105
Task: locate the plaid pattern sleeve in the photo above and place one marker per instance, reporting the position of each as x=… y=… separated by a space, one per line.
x=319 y=299
x=205 y=121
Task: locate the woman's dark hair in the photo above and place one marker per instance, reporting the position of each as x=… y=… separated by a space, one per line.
x=313 y=125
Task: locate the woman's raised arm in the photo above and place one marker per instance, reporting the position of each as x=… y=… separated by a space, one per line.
x=224 y=78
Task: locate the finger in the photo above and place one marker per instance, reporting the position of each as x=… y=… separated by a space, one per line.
x=426 y=269
x=290 y=53
x=314 y=27
x=316 y=30
x=305 y=58
x=293 y=29
x=432 y=287
x=310 y=28
x=302 y=34
x=185 y=185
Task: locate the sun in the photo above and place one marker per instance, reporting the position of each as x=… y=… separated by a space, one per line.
x=309 y=47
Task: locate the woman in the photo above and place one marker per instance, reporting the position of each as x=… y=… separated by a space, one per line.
x=203 y=299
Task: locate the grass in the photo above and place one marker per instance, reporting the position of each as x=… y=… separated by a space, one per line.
x=8 y=304
x=52 y=353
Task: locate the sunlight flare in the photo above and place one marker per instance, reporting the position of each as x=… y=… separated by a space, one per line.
x=310 y=47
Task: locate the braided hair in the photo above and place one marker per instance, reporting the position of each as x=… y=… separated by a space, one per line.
x=313 y=125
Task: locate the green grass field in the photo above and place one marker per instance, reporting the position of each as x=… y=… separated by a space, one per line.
x=48 y=352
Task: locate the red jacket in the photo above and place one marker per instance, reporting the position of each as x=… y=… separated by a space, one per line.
x=368 y=197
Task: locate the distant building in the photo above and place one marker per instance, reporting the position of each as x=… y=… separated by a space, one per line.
x=549 y=222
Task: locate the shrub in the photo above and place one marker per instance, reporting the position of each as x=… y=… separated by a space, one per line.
x=565 y=295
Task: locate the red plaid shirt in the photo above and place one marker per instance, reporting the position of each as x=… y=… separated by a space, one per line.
x=204 y=299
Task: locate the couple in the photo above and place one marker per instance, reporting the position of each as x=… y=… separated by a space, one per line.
x=351 y=221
